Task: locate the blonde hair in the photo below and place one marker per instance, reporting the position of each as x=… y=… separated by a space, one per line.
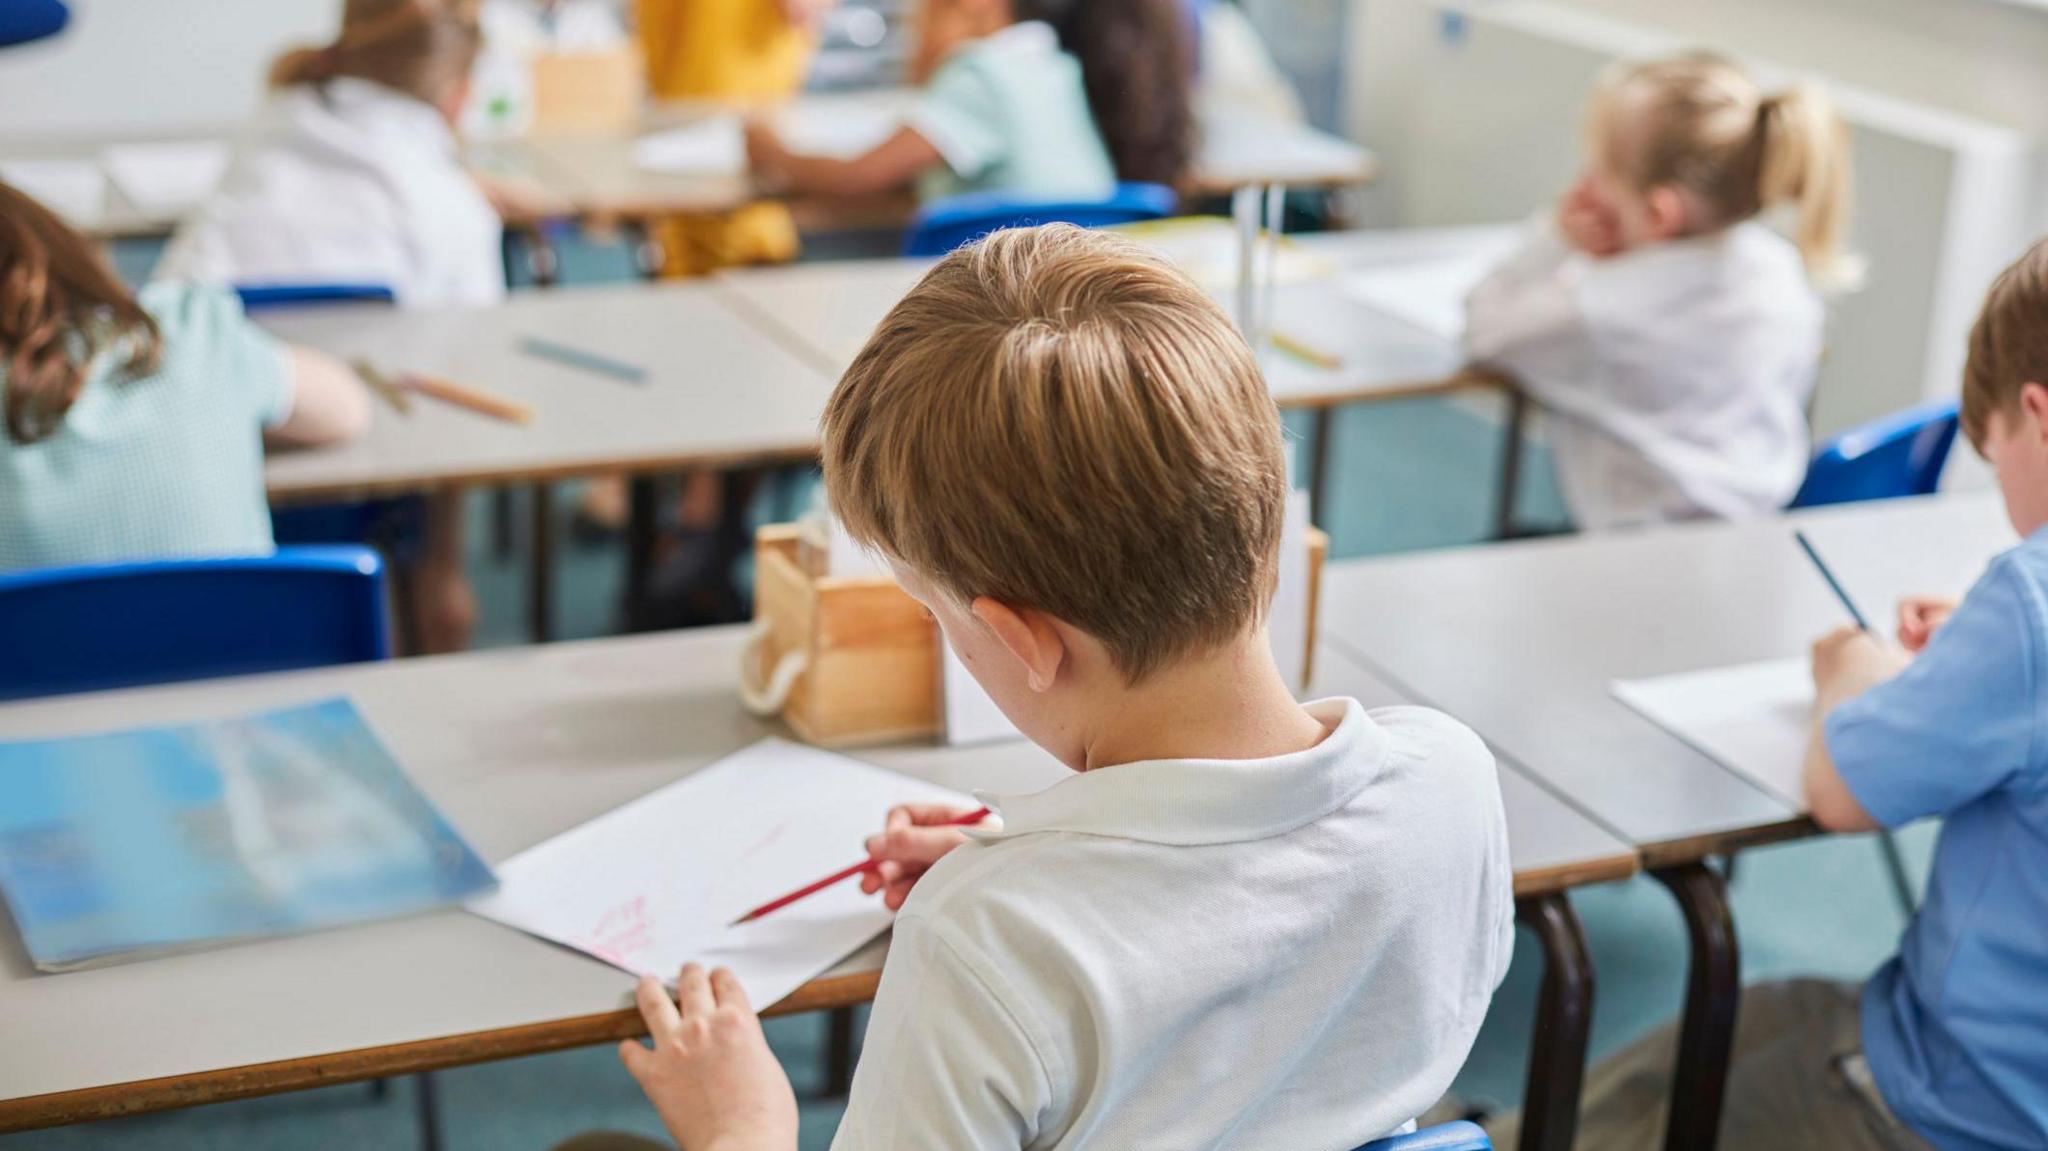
x=2008 y=344
x=1701 y=124
x=1060 y=420
x=423 y=48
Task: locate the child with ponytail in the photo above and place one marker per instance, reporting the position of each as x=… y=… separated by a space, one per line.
x=1671 y=334
x=352 y=175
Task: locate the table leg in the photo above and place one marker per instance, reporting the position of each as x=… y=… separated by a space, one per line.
x=1319 y=468
x=542 y=260
x=642 y=527
x=501 y=522
x=1509 y=492
x=429 y=1111
x=839 y=1053
x=541 y=591
x=1564 y=1020
x=1706 y=1036
x=648 y=256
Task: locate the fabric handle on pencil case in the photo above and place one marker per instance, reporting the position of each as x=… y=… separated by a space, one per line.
x=766 y=697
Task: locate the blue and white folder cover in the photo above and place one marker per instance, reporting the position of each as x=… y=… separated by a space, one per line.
x=143 y=842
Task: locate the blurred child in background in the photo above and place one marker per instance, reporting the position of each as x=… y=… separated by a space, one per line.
x=1672 y=336
x=352 y=174
x=135 y=424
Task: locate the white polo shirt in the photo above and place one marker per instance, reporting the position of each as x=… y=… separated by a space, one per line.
x=1291 y=952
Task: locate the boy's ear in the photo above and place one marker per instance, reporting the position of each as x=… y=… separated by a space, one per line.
x=2034 y=402
x=1028 y=635
x=1669 y=216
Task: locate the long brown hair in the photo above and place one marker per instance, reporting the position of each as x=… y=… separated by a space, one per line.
x=61 y=307
x=423 y=48
x=1137 y=63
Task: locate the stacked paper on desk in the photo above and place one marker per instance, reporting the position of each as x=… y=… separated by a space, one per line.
x=169 y=178
x=160 y=839
x=74 y=189
x=1752 y=718
x=658 y=882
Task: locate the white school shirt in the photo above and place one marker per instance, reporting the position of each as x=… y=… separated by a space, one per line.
x=1676 y=375
x=346 y=181
x=1291 y=952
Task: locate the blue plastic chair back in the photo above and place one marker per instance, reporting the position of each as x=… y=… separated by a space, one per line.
x=1899 y=455
x=23 y=21
x=1458 y=1136
x=99 y=626
x=956 y=220
x=271 y=297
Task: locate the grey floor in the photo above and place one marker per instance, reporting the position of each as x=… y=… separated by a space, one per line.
x=1407 y=475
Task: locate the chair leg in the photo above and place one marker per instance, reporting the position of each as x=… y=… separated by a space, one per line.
x=380 y=1089
x=839 y=1054
x=1507 y=493
x=429 y=1111
x=1895 y=866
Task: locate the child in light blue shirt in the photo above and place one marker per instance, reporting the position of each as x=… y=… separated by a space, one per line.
x=1002 y=108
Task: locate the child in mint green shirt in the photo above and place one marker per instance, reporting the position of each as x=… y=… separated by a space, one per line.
x=1002 y=107
x=135 y=425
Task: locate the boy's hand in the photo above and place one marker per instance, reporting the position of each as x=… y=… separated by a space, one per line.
x=1848 y=662
x=1920 y=616
x=767 y=158
x=1585 y=224
x=911 y=841
x=709 y=1073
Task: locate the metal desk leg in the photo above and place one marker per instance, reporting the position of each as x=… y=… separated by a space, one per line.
x=1510 y=489
x=1564 y=1020
x=429 y=1111
x=642 y=528
x=648 y=255
x=1319 y=473
x=541 y=591
x=839 y=1053
x=1706 y=1037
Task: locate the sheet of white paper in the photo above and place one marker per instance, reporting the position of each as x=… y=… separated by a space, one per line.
x=1287 y=624
x=74 y=189
x=713 y=147
x=1751 y=718
x=170 y=178
x=1429 y=294
x=657 y=883
x=716 y=146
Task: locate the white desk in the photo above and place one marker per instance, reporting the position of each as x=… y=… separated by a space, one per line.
x=514 y=746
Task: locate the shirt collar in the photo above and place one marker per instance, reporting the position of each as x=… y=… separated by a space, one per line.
x=1025 y=36
x=368 y=100
x=1184 y=802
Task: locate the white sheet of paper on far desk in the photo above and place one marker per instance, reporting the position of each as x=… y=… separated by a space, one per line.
x=1429 y=292
x=716 y=145
x=1751 y=718
x=658 y=882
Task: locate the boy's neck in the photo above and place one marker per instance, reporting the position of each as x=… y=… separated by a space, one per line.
x=1229 y=704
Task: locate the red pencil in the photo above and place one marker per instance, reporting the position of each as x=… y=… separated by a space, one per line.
x=972 y=817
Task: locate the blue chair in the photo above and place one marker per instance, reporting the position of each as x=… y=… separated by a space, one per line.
x=270 y=297
x=1898 y=455
x=1458 y=1136
x=23 y=21
x=956 y=220
x=98 y=626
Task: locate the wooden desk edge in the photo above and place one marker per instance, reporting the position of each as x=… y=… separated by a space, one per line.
x=1581 y=873
x=229 y=1083
x=1698 y=848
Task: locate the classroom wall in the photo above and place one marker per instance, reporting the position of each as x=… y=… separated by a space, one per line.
x=127 y=66
x=1476 y=116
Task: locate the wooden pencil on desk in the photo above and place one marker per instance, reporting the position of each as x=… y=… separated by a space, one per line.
x=465 y=396
x=1307 y=353
x=384 y=387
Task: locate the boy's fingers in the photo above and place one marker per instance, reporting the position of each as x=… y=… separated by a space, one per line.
x=638 y=1060
x=726 y=987
x=693 y=991
x=656 y=1009
x=918 y=845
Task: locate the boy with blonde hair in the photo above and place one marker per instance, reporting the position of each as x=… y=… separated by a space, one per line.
x=1245 y=921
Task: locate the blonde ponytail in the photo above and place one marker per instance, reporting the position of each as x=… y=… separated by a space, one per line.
x=1803 y=160
x=1697 y=122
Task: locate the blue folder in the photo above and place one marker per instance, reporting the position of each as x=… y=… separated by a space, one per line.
x=164 y=839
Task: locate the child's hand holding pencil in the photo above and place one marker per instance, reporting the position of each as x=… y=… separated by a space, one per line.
x=915 y=837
